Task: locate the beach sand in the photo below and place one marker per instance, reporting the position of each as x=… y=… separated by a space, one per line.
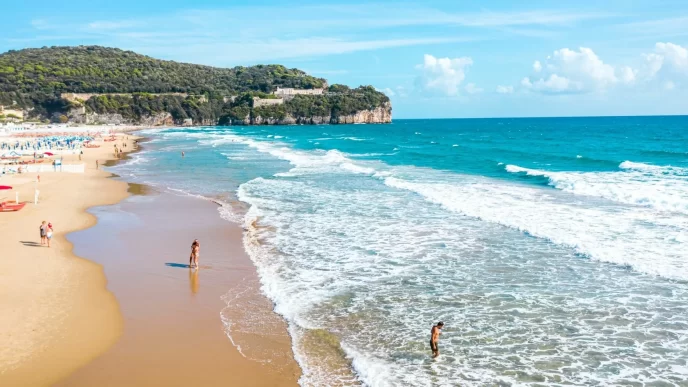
x=140 y=322
x=173 y=315
x=56 y=312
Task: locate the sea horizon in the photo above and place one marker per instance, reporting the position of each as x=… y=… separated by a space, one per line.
x=535 y=117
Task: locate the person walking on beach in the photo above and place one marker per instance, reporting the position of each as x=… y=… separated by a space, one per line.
x=49 y=233
x=97 y=164
x=44 y=232
x=195 y=252
x=435 y=338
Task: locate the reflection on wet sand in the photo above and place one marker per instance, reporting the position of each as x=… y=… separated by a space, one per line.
x=193 y=280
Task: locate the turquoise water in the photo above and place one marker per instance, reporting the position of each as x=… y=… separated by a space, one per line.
x=555 y=250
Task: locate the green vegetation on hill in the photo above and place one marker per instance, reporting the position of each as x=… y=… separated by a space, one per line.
x=94 y=69
x=33 y=79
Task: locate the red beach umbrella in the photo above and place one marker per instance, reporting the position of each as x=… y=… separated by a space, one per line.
x=47 y=153
x=4 y=187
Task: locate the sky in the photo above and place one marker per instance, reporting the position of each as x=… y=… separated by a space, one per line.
x=434 y=59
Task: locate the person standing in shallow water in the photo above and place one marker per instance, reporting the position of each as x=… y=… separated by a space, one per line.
x=435 y=338
x=195 y=251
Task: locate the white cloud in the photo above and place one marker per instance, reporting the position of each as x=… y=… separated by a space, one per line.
x=537 y=66
x=505 y=89
x=387 y=91
x=40 y=24
x=667 y=67
x=653 y=63
x=471 y=88
x=669 y=56
x=104 y=25
x=556 y=84
x=627 y=74
x=443 y=75
x=584 y=63
x=222 y=53
x=401 y=91
x=576 y=71
x=674 y=54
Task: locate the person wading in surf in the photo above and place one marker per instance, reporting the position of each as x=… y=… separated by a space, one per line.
x=435 y=338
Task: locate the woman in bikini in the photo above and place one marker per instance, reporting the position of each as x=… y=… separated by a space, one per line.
x=193 y=258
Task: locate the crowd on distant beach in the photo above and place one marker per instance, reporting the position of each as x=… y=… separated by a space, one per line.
x=45 y=143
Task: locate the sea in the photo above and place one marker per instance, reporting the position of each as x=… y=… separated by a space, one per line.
x=555 y=250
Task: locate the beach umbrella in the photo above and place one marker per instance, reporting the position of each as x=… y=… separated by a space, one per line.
x=7 y=187
x=48 y=153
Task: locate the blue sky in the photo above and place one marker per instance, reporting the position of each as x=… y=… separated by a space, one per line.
x=434 y=59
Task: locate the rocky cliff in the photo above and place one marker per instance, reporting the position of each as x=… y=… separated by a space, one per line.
x=80 y=117
x=380 y=115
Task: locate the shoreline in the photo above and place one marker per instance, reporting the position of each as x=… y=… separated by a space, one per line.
x=83 y=325
x=59 y=314
x=171 y=312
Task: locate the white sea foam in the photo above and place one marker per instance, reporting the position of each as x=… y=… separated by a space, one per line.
x=624 y=236
x=357 y=169
x=303 y=161
x=661 y=188
x=352 y=138
x=352 y=260
x=654 y=169
x=139 y=158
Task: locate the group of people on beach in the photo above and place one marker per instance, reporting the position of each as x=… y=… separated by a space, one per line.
x=46 y=233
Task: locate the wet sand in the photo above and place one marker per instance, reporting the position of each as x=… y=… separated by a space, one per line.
x=176 y=319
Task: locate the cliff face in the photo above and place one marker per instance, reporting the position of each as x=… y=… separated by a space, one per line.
x=160 y=119
x=380 y=115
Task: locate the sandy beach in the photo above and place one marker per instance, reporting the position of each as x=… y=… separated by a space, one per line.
x=57 y=314
x=139 y=321
x=176 y=319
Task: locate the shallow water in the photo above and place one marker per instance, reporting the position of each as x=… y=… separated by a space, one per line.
x=555 y=250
